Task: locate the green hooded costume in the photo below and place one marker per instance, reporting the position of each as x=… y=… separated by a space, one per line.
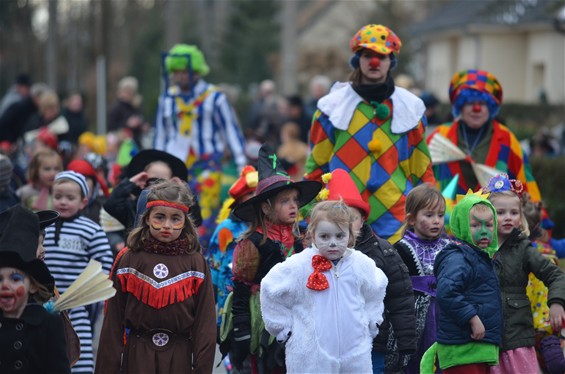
x=475 y=351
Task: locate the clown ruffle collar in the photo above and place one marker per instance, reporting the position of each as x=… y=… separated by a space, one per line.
x=340 y=104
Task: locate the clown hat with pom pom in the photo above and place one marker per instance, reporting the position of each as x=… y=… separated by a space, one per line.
x=340 y=186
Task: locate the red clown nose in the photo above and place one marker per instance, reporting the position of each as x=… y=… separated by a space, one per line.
x=374 y=62
x=476 y=108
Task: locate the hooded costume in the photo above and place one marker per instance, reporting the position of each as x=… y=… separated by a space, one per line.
x=467 y=286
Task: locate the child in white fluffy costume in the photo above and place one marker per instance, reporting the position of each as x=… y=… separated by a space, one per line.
x=326 y=302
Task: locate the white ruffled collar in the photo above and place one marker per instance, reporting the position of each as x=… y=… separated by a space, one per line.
x=340 y=104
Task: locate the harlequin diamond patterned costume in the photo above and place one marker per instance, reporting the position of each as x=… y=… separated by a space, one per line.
x=493 y=144
x=376 y=133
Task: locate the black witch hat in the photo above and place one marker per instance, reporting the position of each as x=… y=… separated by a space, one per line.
x=19 y=238
x=140 y=161
x=272 y=180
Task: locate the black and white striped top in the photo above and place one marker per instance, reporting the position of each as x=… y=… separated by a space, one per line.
x=80 y=240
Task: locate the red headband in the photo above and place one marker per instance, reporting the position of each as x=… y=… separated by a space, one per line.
x=167 y=204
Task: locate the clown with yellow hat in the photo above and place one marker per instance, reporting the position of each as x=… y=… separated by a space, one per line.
x=374 y=130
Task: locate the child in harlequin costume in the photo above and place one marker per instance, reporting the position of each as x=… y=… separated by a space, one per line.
x=469 y=317
x=196 y=123
x=374 y=130
x=396 y=340
x=164 y=305
x=476 y=96
x=326 y=302
x=548 y=343
x=271 y=238
x=422 y=241
x=32 y=339
x=515 y=260
x=228 y=230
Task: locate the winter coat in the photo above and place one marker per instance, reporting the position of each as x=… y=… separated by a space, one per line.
x=332 y=329
x=514 y=261
x=33 y=343
x=466 y=286
x=399 y=300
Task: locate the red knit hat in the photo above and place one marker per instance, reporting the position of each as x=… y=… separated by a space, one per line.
x=245 y=184
x=341 y=186
x=85 y=168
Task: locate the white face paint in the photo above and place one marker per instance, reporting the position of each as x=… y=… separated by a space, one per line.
x=331 y=240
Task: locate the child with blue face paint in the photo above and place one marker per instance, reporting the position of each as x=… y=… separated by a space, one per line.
x=326 y=302
x=469 y=317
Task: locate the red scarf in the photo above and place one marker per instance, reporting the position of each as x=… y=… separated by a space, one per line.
x=318 y=281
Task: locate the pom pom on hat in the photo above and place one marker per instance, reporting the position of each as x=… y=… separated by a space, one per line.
x=245 y=184
x=342 y=187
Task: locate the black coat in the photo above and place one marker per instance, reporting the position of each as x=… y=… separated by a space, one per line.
x=14 y=119
x=399 y=300
x=34 y=343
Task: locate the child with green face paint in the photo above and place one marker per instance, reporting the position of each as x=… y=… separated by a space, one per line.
x=469 y=317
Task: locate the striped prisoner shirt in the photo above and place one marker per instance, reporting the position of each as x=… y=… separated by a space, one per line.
x=80 y=240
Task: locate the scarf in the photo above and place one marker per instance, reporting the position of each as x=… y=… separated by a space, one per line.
x=375 y=93
x=318 y=281
x=282 y=234
x=174 y=248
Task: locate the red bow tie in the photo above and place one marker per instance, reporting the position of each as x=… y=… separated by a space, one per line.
x=318 y=281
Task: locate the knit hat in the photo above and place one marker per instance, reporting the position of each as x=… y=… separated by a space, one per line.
x=272 y=180
x=75 y=177
x=245 y=184
x=19 y=238
x=340 y=185
x=6 y=169
x=472 y=86
x=183 y=57
x=85 y=168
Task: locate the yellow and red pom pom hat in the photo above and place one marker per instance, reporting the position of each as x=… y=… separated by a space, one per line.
x=377 y=38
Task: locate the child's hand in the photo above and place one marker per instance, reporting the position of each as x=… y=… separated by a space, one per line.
x=556 y=316
x=139 y=179
x=477 y=328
